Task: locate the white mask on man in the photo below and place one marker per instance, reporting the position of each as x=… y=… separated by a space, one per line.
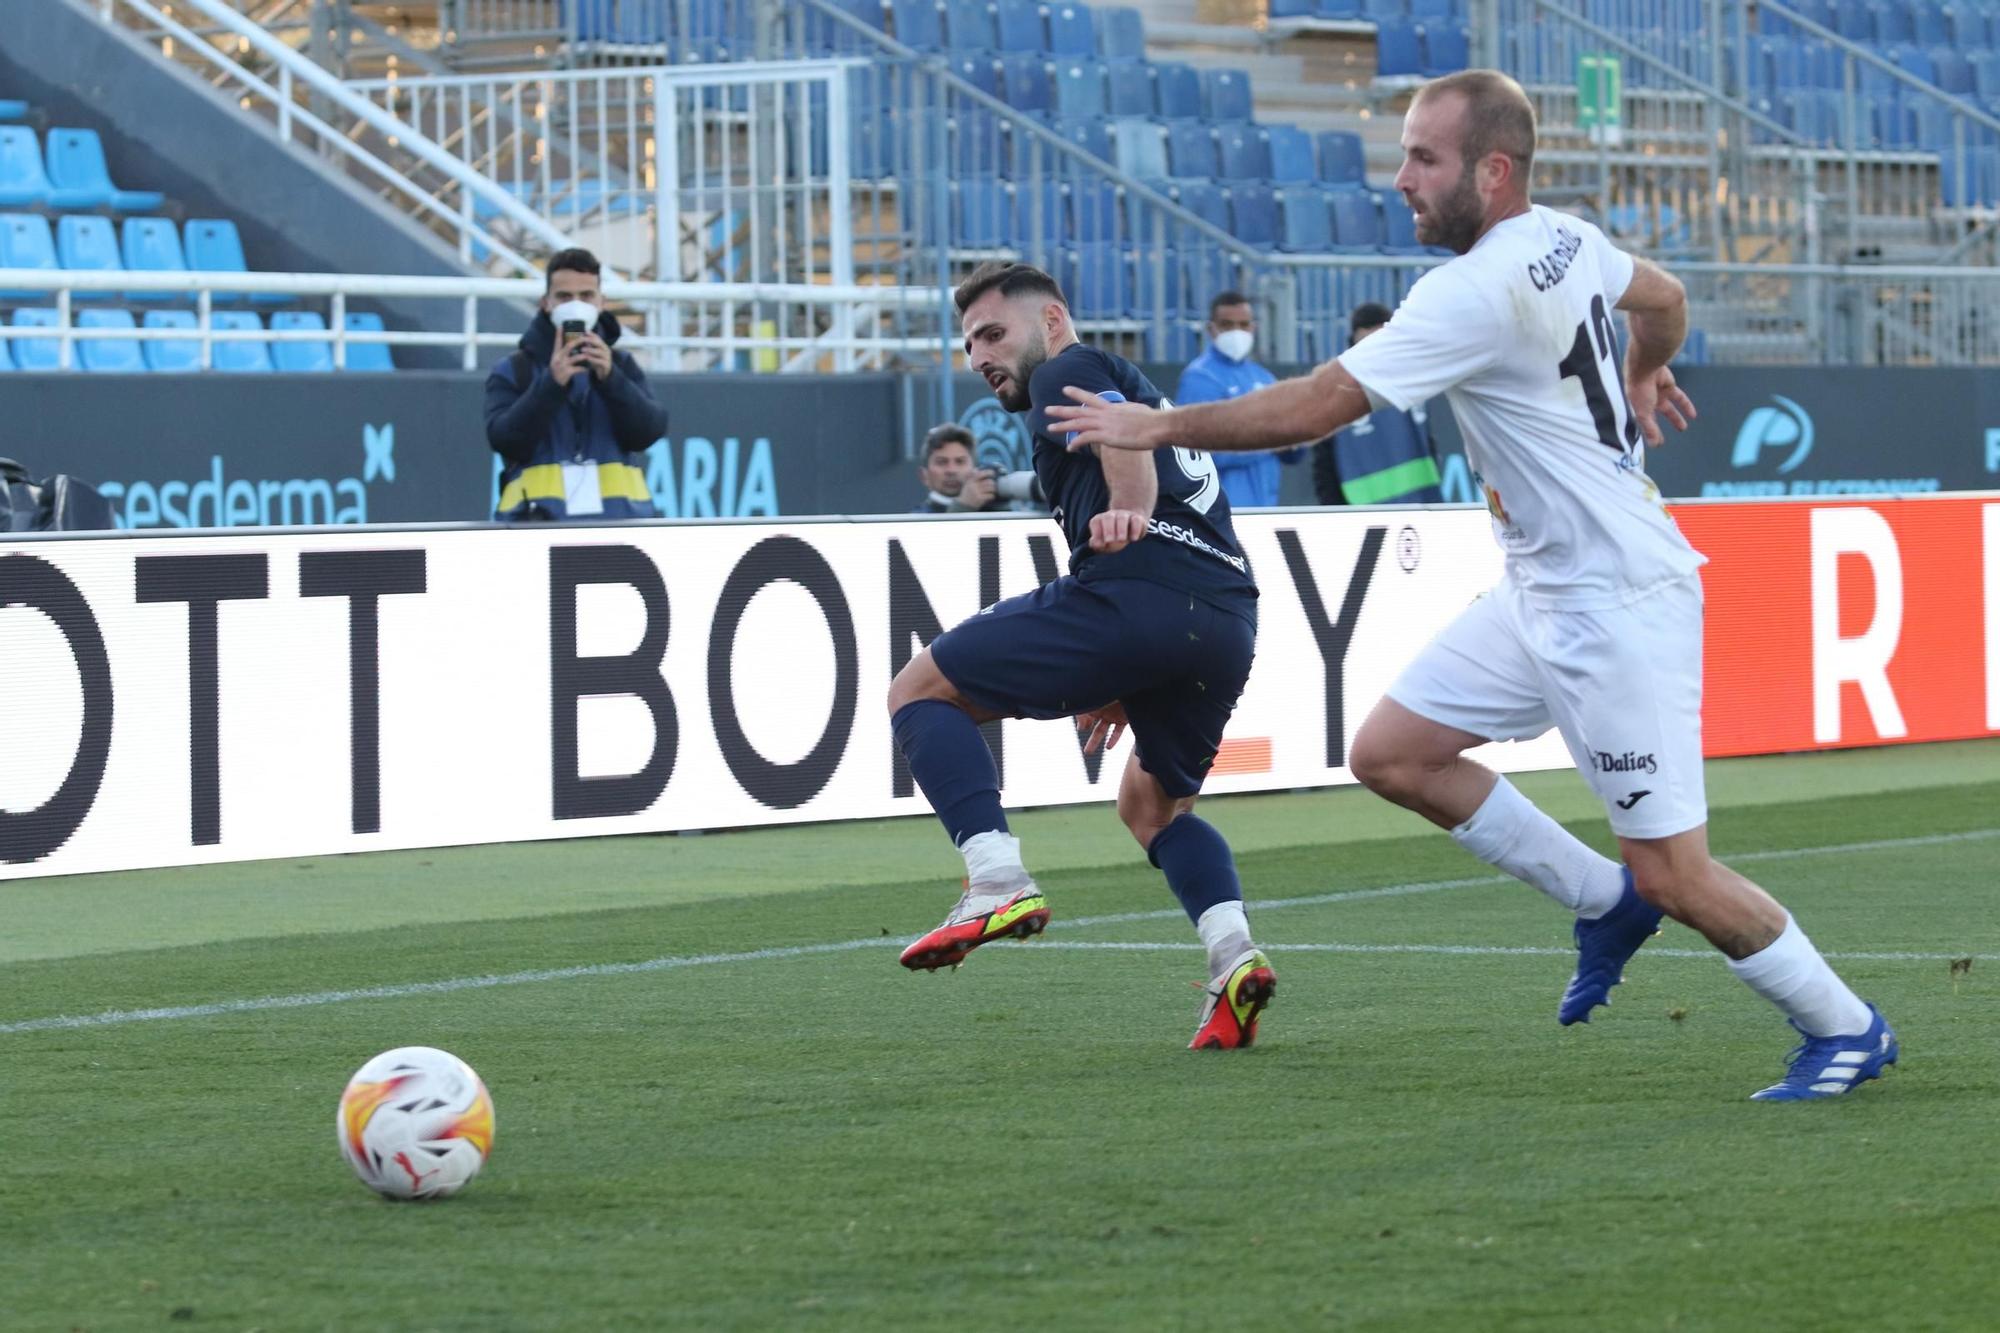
x=575 y=310
x=1235 y=343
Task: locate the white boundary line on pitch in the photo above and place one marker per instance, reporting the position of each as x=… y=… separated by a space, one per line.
x=1486 y=950
x=314 y=999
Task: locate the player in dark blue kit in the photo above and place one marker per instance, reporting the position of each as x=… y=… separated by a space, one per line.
x=1153 y=628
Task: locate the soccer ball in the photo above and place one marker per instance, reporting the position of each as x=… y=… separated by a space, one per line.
x=415 y=1123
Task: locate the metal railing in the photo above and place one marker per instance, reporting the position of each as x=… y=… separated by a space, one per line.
x=671 y=326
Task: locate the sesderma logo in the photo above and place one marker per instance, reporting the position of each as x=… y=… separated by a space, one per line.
x=1786 y=426
x=217 y=502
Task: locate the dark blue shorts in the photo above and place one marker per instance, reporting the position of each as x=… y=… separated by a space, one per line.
x=1176 y=662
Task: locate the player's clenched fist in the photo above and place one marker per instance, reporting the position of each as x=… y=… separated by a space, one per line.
x=1116 y=529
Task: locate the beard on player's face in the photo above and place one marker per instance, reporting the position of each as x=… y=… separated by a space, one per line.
x=1452 y=220
x=1013 y=395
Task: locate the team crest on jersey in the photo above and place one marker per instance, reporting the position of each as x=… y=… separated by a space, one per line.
x=1000 y=438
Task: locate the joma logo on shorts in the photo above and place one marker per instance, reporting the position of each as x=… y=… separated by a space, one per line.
x=1628 y=762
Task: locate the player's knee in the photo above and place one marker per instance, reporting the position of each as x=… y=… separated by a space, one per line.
x=1383 y=768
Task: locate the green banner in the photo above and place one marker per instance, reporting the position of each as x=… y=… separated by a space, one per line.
x=1600 y=92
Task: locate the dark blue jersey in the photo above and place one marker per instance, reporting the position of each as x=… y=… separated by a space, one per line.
x=1190 y=543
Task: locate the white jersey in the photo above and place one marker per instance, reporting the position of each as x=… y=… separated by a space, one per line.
x=1518 y=334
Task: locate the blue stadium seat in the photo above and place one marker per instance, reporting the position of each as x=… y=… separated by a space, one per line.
x=1177 y=91
x=979 y=69
x=1954 y=71
x=36 y=354
x=1242 y=152
x=1090 y=133
x=981 y=214
x=1093 y=211
x=1447 y=48
x=1852 y=20
x=1385 y=10
x=1040 y=214
x=6 y=353
x=1398 y=48
x=1024 y=82
x=1892 y=23
x=215 y=246
x=1072 y=29
x=1078 y=88
x=1694 y=349
x=1292 y=9
x=1342 y=160
x=1399 y=224
x=919 y=24
x=822 y=36
x=1927 y=23
x=12 y=109
x=249 y=356
x=1156 y=281
x=1097 y=281
x=1204 y=199
x=1141 y=148
x=1967 y=26
x=976 y=142
x=1986 y=74
x=151 y=245
x=366 y=357
x=300 y=358
x=1253 y=214
x=176 y=357
x=1822 y=65
x=1190 y=150
x=26 y=242
x=22 y=177
x=1225 y=95
x=1346 y=11
x=1918 y=63
x=1433 y=11
x=1357 y=221
x=1291 y=150
x=968 y=25
x=1813 y=114
x=1018 y=25
x=85 y=243
x=109 y=356
x=1121 y=34
x=1303 y=225
x=76 y=166
x=1129 y=87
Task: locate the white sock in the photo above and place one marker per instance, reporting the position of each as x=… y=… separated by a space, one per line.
x=1790 y=974
x=1226 y=932
x=1507 y=831
x=993 y=863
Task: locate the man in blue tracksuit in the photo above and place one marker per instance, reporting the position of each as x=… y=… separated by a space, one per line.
x=1225 y=370
x=1387 y=457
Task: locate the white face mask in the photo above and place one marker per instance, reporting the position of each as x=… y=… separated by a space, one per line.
x=569 y=310
x=1235 y=344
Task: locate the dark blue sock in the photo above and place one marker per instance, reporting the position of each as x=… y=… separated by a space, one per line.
x=1198 y=865
x=949 y=759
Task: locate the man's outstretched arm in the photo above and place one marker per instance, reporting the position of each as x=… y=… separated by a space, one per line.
x=1290 y=412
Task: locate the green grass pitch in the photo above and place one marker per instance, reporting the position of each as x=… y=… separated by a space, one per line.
x=722 y=1105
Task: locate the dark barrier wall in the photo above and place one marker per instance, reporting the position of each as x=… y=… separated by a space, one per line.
x=411 y=447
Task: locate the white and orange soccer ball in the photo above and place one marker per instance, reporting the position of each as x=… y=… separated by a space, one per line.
x=415 y=1123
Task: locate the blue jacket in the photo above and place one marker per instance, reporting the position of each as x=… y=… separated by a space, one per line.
x=1247 y=479
x=1387 y=457
x=536 y=426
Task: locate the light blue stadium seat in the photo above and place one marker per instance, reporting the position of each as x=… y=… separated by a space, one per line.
x=1018 y=25
x=23 y=179
x=26 y=242
x=85 y=243
x=367 y=356
x=109 y=356
x=151 y=245
x=251 y=356
x=968 y=25
x=36 y=354
x=1225 y=95
x=215 y=246
x=1357 y=219
x=1141 y=148
x=1128 y=87
x=1447 y=48
x=1072 y=29
x=1176 y=91
x=1024 y=82
x=1398 y=48
x=919 y=24
x=1253 y=214
x=1078 y=87
x=175 y=357
x=300 y=358
x=11 y=109
x=1190 y=150
x=1121 y=33
x=1291 y=152
x=1303 y=224
x=76 y=165
x=1342 y=160
x=1242 y=152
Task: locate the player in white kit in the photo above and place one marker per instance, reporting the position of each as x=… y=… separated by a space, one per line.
x=1596 y=626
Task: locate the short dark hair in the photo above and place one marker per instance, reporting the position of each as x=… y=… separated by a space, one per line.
x=571 y=261
x=949 y=433
x=1011 y=280
x=1367 y=315
x=1499 y=118
x=1222 y=299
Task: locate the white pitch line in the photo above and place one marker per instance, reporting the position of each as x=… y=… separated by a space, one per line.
x=1484 y=950
x=313 y=999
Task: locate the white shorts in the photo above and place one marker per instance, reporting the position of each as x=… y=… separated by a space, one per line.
x=1623 y=685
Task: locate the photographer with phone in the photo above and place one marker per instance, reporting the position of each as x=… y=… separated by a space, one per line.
x=568 y=413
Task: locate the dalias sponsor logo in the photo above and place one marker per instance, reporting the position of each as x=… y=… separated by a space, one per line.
x=220 y=501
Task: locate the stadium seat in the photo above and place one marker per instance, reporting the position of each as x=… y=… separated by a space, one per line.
x=1204 y=199
x=252 y=356
x=1253 y=214
x=1040 y=217
x=1141 y=148
x=1927 y=23
x=1357 y=221
x=36 y=354
x=1291 y=153
x=1917 y=63
x=1176 y=91
x=1072 y=30
x=300 y=358
x=981 y=212
x=919 y=24
x=171 y=357
x=1892 y=23
x=1121 y=34
x=1098 y=282
x=968 y=25
x=22 y=178
x=1078 y=88
x=1128 y=88
x=1398 y=49
x=981 y=70
x=214 y=246
x=1225 y=95
x=26 y=242
x=1242 y=152
x=365 y=356
x=1292 y=9
x=1342 y=160
x=110 y=356
x=1986 y=74
x=1090 y=133
x=1093 y=211
x=823 y=36
x=1967 y=27
x=6 y=355
x=1447 y=48
x=1303 y=227
x=1346 y=11
x=1018 y=25
x=85 y=243
x=76 y=166
x=1852 y=20
x=1432 y=11
x=11 y=109
x=151 y=245
x=1399 y=225
x=1385 y=10
x=1024 y=82
x=1954 y=71
x=975 y=141
x=1190 y=151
